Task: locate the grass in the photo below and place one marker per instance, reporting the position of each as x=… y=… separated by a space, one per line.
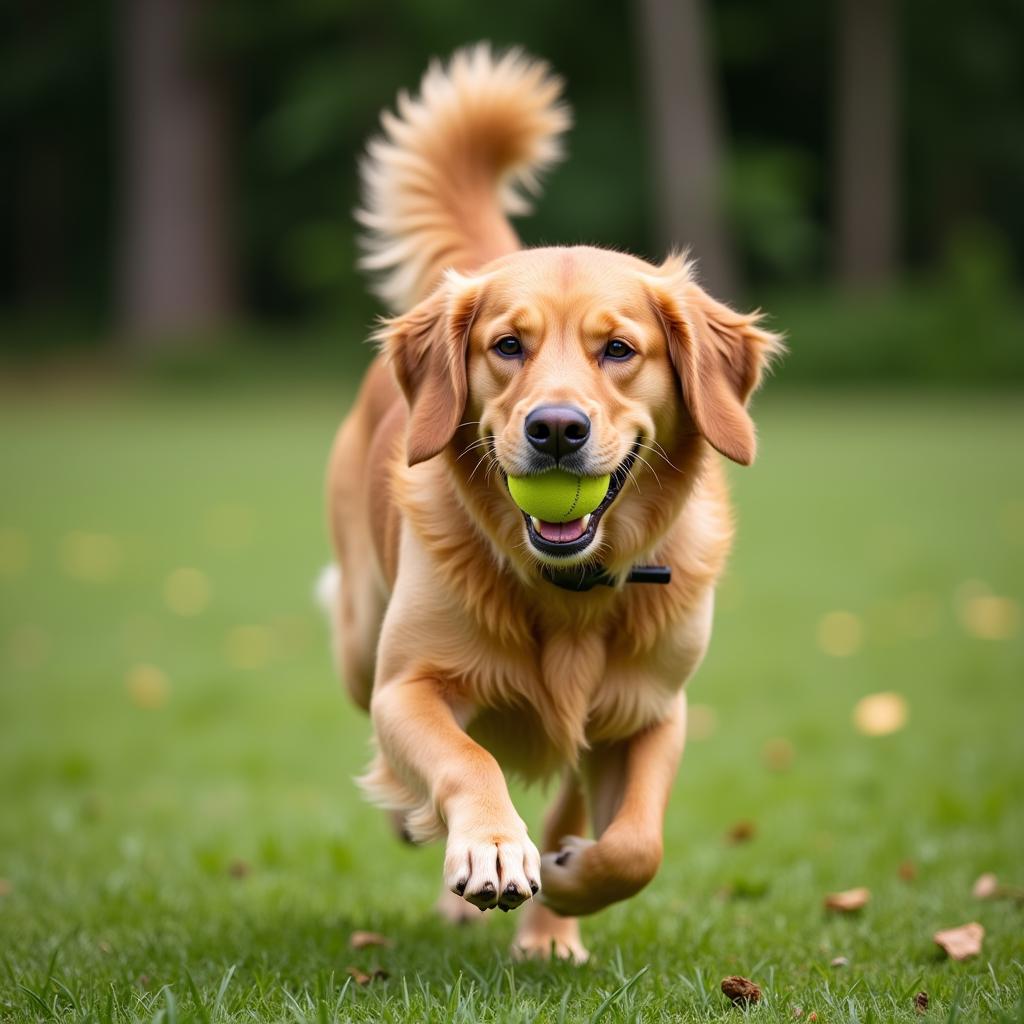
x=180 y=838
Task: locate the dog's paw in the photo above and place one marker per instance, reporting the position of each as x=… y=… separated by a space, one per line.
x=568 y=889
x=498 y=869
x=584 y=876
x=543 y=935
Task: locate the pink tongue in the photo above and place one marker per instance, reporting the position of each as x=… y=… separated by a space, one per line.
x=561 y=533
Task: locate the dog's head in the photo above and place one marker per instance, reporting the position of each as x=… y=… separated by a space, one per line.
x=583 y=359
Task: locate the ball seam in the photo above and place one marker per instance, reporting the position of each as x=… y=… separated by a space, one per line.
x=575 y=500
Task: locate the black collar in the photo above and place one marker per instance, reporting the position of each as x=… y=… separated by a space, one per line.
x=581 y=580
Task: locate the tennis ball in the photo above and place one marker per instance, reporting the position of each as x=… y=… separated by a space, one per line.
x=556 y=496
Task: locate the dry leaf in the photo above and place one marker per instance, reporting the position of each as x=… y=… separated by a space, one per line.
x=839 y=961
x=849 y=901
x=778 y=754
x=908 y=871
x=360 y=977
x=921 y=1002
x=986 y=887
x=741 y=832
x=742 y=991
x=360 y=940
x=880 y=714
x=5 y=887
x=701 y=722
x=961 y=943
x=238 y=868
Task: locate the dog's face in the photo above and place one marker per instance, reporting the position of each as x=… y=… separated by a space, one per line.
x=590 y=361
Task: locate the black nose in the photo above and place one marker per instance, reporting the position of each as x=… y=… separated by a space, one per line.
x=557 y=429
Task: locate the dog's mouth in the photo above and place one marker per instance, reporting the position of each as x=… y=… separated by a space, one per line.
x=566 y=540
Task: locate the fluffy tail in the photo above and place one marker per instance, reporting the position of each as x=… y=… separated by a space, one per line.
x=452 y=164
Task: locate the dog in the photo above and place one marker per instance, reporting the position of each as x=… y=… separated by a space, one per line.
x=482 y=640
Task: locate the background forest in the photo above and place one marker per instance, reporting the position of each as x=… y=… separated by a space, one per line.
x=172 y=166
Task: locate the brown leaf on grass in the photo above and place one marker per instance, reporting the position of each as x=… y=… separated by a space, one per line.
x=778 y=754
x=961 y=943
x=849 y=901
x=360 y=977
x=908 y=871
x=741 y=832
x=361 y=940
x=5 y=887
x=921 y=1002
x=239 y=868
x=742 y=991
x=839 y=961
x=986 y=887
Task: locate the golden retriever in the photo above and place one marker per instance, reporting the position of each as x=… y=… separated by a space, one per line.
x=483 y=641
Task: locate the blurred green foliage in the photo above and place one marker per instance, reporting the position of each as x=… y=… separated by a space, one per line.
x=307 y=80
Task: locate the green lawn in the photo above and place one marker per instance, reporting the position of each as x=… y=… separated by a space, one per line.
x=180 y=836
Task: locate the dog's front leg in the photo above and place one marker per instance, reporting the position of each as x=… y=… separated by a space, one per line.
x=629 y=784
x=489 y=859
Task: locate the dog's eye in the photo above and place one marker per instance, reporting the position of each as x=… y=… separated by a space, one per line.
x=618 y=350
x=510 y=347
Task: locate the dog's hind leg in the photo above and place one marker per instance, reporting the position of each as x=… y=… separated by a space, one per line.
x=542 y=933
x=354 y=620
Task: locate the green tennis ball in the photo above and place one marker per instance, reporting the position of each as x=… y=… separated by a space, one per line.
x=556 y=496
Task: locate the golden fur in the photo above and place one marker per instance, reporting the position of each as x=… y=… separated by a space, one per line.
x=470 y=661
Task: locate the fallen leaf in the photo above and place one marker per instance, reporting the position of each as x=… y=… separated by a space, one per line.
x=741 y=832
x=880 y=714
x=908 y=871
x=360 y=940
x=742 y=991
x=961 y=943
x=990 y=617
x=778 y=754
x=148 y=687
x=360 y=977
x=5 y=887
x=239 y=868
x=840 y=961
x=921 y=1002
x=848 y=901
x=701 y=722
x=986 y=887
x=104 y=947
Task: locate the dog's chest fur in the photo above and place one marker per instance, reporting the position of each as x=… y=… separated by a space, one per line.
x=594 y=685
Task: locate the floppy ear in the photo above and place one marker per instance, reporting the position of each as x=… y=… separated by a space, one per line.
x=719 y=355
x=427 y=349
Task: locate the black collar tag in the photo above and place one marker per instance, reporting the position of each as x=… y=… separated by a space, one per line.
x=580 y=582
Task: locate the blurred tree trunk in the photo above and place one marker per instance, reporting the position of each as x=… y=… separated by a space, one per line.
x=867 y=157
x=176 y=273
x=687 y=151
